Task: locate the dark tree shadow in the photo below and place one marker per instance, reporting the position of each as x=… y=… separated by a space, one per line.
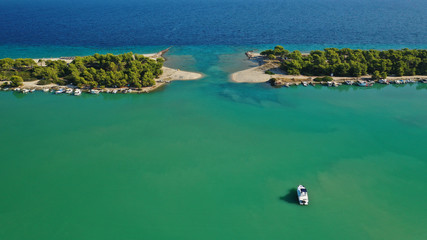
x=291 y=196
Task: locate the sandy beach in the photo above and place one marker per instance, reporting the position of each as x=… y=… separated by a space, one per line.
x=251 y=75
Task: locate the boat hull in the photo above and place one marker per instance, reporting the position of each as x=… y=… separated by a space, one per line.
x=302 y=195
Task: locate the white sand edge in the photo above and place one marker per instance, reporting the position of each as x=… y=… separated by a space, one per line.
x=251 y=75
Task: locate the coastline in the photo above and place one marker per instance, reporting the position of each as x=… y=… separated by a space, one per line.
x=168 y=75
x=257 y=74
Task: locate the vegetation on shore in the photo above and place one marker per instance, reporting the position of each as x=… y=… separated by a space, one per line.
x=92 y=71
x=351 y=63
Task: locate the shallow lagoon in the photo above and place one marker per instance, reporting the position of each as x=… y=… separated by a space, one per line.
x=211 y=159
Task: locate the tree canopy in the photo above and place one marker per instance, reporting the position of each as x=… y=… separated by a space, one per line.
x=16 y=81
x=354 y=63
x=92 y=71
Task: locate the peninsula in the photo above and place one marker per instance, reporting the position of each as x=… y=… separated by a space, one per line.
x=334 y=66
x=127 y=72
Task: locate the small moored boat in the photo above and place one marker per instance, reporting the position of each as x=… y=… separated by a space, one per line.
x=77 y=92
x=305 y=84
x=59 y=91
x=362 y=83
x=69 y=91
x=383 y=81
x=302 y=195
x=93 y=91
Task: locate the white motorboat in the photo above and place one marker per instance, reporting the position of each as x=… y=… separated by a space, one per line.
x=59 y=91
x=45 y=89
x=77 y=92
x=69 y=91
x=302 y=195
x=93 y=91
x=25 y=91
x=383 y=81
x=305 y=84
x=362 y=83
x=349 y=82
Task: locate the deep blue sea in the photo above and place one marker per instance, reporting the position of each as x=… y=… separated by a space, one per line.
x=115 y=23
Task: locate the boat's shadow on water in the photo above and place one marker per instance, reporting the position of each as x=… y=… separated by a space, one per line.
x=291 y=197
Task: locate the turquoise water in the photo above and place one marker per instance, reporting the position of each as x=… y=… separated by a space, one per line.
x=211 y=159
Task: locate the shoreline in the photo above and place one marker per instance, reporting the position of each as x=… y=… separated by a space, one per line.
x=257 y=75
x=168 y=75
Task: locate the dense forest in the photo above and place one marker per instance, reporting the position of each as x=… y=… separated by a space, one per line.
x=351 y=63
x=92 y=71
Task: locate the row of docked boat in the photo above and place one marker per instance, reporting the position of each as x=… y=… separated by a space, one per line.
x=22 y=90
x=71 y=91
x=78 y=91
x=113 y=91
x=400 y=81
x=360 y=83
